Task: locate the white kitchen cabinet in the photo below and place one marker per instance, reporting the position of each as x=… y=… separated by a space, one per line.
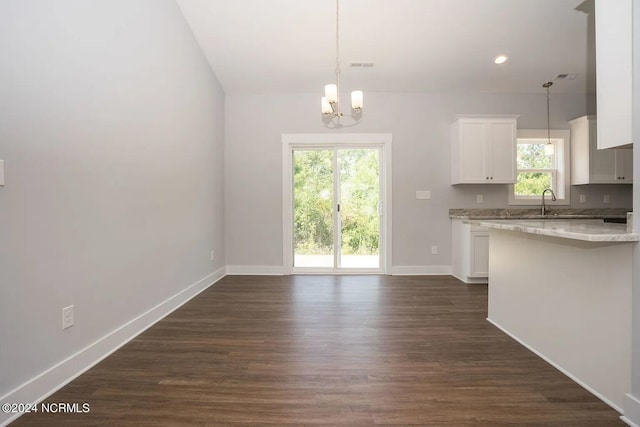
x=470 y=247
x=483 y=150
x=589 y=165
x=614 y=72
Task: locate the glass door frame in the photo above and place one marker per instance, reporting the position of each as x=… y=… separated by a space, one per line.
x=292 y=142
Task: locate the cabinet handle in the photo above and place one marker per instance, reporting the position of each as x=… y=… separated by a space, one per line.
x=491 y=177
x=487 y=178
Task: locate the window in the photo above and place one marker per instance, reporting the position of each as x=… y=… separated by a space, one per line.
x=538 y=170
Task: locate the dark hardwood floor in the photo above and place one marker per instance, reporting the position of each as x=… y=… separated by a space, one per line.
x=350 y=350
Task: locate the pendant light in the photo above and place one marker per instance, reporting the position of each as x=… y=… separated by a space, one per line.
x=331 y=99
x=548 y=148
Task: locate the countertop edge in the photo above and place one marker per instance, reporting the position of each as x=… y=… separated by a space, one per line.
x=584 y=235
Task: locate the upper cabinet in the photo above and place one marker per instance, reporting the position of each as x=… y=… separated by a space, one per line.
x=483 y=150
x=592 y=166
x=613 y=72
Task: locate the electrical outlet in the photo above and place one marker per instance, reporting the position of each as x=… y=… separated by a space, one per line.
x=606 y=199
x=434 y=250
x=583 y=198
x=479 y=198
x=423 y=195
x=67 y=317
x=211 y=255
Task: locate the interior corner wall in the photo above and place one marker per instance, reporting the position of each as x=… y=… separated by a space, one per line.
x=420 y=124
x=111 y=132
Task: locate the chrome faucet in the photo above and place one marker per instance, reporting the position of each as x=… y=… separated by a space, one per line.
x=553 y=198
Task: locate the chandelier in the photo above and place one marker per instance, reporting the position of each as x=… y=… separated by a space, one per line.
x=331 y=99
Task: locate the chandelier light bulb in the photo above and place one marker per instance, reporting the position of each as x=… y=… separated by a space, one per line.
x=331 y=93
x=357 y=100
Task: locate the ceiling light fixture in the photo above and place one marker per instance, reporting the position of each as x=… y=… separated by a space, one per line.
x=331 y=98
x=500 y=59
x=548 y=148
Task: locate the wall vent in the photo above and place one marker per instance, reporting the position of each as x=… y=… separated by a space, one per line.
x=362 y=65
x=566 y=76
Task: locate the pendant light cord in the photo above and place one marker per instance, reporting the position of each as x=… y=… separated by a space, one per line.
x=547 y=85
x=338 y=54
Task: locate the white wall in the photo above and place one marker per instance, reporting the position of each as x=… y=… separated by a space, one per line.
x=420 y=124
x=111 y=129
x=632 y=403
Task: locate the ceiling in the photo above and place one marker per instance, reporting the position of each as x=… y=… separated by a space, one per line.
x=288 y=46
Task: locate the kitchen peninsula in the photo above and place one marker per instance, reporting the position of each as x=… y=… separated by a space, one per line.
x=470 y=243
x=552 y=283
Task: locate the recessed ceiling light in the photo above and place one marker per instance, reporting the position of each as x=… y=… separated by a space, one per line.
x=500 y=59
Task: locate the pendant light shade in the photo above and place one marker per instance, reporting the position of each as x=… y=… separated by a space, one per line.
x=549 y=149
x=331 y=93
x=357 y=100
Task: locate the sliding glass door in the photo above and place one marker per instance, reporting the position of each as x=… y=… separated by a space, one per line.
x=336 y=208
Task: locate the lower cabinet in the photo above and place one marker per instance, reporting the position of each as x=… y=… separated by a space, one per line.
x=470 y=252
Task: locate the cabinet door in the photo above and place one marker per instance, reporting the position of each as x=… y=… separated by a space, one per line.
x=610 y=166
x=614 y=71
x=502 y=152
x=473 y=139
x=624 y=165
x=603 y=166
x=479 y=254
x=583 y=145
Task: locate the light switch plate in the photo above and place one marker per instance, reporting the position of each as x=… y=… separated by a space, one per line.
x=423 y=195
x=1 y=172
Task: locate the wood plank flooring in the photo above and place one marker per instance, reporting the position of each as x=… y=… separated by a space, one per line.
x=328 y=350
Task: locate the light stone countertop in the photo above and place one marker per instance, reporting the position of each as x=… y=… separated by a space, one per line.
x=589 y=230
x=551 y=216
x=534 y=213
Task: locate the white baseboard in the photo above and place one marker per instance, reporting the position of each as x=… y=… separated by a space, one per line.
x=255 y=270
x=421 y=270
x=273 y=270
x=631 y=411
x=46 y=383
x=559 y=368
